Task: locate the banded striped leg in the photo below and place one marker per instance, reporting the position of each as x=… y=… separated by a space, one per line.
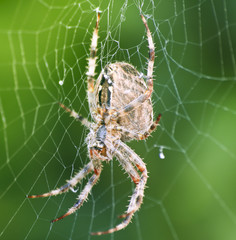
x=142 y=98
x=83 y=195
x=151 y=129
x=84 y=121
x=137 y=197
x=70 y=183
x=139 y=136
x=92 y=65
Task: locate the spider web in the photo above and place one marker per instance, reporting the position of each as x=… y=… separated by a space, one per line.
x=191 y=158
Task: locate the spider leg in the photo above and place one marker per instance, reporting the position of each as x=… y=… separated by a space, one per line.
x=151 y=56
x=92 y=65
x=137 y=197
x=83 y=195
x=70 y=183
x=143 y=97
x=125 y=163
x=128 y=167
x=84 y=121
x=152 y=128
x=139 y=136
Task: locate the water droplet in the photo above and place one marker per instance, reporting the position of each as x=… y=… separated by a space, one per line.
x=161 y=154
x=74 y=190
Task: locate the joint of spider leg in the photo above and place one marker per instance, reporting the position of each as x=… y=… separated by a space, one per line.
x=98 y=18
x=64 y=107
x=125 y=215
x=153 y=126
x=33 y=196
x=98 y=152
x=147 y=94
x=91 y=69
x=72 y=113
x=149 y=81
x=158 y=118
x=96 y=171
x=135 y=180
x=92 y=58
x=93 y=52
x=80 y=118
x=143 y=18
x=143 y=136
x=140 y=168
x=152 y=54
x=139 y=200
x=76 y=115
x=90 y=87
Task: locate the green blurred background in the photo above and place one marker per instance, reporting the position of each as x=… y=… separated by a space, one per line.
x=191 y=193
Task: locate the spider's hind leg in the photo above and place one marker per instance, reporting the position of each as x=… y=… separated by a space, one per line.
x=137 y=197
x=151 y=129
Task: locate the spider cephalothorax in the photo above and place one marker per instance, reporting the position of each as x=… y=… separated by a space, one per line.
x=121 y=107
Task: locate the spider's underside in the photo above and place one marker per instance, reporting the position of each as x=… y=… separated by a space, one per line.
x=121 y=107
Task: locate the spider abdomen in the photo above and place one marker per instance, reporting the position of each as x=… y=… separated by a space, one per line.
x=118 y=85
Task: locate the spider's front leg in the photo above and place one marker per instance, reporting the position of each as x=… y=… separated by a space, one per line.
x=92 y=65
x=147 y=94
x=137 y=197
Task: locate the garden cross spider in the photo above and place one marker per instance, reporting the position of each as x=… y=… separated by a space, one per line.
x=121 y=107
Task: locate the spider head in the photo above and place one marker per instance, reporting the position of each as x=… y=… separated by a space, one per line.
x=97 y=149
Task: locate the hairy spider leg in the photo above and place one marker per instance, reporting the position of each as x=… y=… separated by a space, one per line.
x=137 y=197
x=92 y=65
x=84 y=121
x=127 y=166
x=151 y=129
x=151 y=57
x=139 y=136
x=143 y=97
x=70 y=183
x=83 y=195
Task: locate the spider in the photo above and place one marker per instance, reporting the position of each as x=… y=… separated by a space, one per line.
x=121 y=107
